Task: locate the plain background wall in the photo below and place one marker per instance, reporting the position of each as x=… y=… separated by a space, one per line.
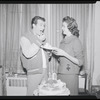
x=96 y=73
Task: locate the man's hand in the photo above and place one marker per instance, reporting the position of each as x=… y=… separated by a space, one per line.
x=42 y=37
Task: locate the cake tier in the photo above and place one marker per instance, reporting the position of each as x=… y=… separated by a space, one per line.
x=52 y=87
x=53 y=91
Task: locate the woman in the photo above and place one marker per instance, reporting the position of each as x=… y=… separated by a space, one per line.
x=70 y=55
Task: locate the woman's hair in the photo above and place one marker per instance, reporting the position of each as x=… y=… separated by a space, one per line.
x=72 y=25
x=35 y=19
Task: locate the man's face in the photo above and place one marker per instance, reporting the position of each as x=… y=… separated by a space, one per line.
x=39 y=27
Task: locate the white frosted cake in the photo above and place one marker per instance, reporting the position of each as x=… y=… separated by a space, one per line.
x=52 y=87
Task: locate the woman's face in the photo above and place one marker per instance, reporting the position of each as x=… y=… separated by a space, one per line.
x=65 y=30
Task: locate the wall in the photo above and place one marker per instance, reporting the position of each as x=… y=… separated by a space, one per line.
x=1 y=80
x=96 y=73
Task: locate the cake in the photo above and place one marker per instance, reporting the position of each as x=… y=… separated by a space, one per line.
x=52 y=87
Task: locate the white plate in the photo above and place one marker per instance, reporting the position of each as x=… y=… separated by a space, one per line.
x=48 y=48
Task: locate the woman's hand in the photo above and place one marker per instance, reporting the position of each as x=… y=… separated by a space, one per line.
x=58 y=52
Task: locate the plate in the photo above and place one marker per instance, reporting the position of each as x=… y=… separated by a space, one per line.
x=47 y=46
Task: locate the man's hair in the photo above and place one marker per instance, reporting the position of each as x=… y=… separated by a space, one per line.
x=72 y=25
x=35 y=19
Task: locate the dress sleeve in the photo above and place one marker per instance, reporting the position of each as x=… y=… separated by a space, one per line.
x=78 y=51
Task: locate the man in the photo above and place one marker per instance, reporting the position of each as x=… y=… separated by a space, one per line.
x=33 y=57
